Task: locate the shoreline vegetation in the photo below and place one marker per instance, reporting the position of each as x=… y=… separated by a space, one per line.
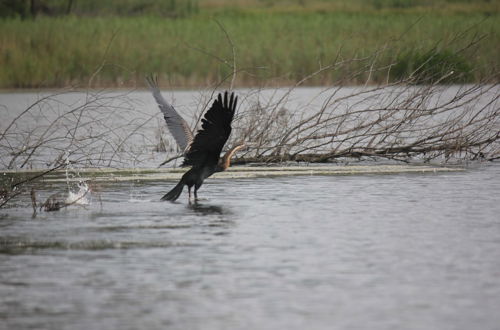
x=200 y=44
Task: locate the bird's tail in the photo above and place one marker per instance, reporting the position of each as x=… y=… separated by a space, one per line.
x=173 y=194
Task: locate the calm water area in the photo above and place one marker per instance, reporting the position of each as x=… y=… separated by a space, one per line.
x=364 y=251
x=398 y=251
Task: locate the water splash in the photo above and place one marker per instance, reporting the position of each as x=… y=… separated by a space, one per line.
x=80 y=197
x=68 y=168
x=82 y=194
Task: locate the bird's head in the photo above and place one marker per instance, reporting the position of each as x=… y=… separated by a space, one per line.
x=225 y=161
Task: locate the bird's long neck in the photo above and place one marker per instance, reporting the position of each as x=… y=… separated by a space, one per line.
x=225 y=161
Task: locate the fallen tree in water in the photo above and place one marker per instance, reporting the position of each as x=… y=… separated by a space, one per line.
x=400 y=122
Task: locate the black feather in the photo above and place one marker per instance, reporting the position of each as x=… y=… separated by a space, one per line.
x=215 y=130
x=204 y=151
x=173 y=194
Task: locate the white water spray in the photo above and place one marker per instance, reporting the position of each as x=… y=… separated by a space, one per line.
x=81 y=194
x=80 y=197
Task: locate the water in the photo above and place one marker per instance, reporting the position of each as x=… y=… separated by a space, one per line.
x=400 y=251
x=126 y=129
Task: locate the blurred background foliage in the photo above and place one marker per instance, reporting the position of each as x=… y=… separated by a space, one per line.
x=183 y=8
x=54 y=43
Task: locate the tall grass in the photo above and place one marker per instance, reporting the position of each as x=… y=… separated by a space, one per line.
x=192 y=51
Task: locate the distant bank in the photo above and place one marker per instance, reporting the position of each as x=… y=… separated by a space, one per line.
x=259 y=47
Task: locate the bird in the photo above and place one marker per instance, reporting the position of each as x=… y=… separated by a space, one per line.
x=201 y=151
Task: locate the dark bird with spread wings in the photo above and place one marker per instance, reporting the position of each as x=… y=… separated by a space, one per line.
x=201 y=152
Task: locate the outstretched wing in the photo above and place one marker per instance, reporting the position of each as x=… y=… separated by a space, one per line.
x=175 y=123
x=215 y=130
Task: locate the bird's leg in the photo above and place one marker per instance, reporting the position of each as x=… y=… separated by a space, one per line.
x=189 y=194
x=195 y=194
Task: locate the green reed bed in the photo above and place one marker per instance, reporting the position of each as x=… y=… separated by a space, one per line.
x=276 y=48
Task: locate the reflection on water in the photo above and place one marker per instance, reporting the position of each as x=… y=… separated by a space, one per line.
x=407 y=251
x=204 y=209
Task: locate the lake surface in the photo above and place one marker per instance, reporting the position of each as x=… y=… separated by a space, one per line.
x=398 y=251
x=126 y=129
